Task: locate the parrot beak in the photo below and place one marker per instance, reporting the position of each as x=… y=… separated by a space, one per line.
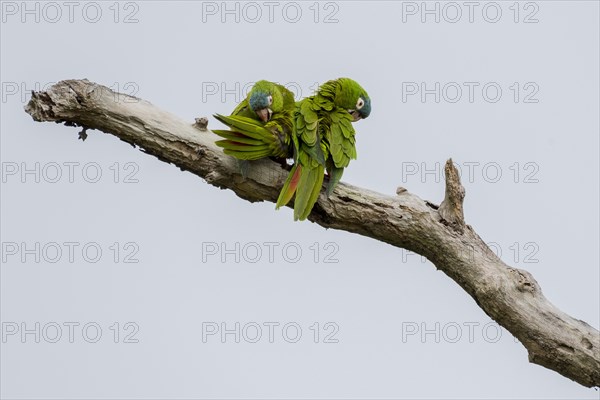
x=264 y=114
x=355 y=115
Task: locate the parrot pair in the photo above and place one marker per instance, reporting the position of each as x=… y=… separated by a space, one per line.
x=316 y=131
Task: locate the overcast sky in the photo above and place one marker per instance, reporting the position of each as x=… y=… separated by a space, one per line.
x=123 y=277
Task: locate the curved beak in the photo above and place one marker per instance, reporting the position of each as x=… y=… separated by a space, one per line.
x=355 y=115
x=264 y=114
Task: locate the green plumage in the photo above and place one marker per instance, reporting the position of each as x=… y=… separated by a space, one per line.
x=324 y=139
x=261 y=125
x=316 y=131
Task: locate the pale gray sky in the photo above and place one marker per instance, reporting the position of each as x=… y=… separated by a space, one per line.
x=518 y=99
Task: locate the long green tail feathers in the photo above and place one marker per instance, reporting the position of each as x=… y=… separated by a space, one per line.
x=306 y=184
x=247 y=139
x=308 y=193
x=335 y=175
x=289 y=187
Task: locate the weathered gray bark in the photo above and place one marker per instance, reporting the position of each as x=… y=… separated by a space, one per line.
x=510 y=296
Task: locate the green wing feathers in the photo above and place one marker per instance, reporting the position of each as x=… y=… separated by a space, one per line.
x=340 y=136
x=317 y=132
x=323 y=137
x=249 y=139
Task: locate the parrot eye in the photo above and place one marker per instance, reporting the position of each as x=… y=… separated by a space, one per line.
x=360 y=103
x=270 y=100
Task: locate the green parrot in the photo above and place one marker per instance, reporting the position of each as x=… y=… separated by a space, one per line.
x=323 y=138
x=261 y=125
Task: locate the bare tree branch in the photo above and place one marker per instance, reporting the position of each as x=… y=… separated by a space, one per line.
x=510 y=296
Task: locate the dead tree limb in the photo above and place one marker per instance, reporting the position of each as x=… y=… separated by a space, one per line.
x=508 y=295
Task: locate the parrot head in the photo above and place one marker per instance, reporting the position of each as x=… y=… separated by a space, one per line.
x=352 y=97
x=265 y=98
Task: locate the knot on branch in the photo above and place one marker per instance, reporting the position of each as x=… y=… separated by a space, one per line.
x=451 y=209
x=201 y=123
x=525 y=281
